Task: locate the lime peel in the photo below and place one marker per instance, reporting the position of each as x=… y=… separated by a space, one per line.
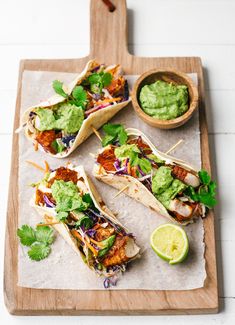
x=170 y=242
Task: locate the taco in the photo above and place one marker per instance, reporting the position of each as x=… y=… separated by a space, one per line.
x=60 y=124
x=166 y=185
x=67 y=199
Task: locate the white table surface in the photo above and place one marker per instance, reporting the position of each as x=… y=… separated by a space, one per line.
x=205 y=28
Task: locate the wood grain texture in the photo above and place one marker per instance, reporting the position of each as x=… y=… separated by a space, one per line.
x=109 y=45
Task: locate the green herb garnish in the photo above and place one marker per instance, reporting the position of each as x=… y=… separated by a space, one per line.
x=114 y=132
x=85 y=221
x=206 y=192
x=80 y=97
x=68 y=198
x=39 y=240
x=62 y=216
x=58 y=88
x=99 y=80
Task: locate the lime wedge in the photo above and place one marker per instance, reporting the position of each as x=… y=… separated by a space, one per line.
x=170 y=242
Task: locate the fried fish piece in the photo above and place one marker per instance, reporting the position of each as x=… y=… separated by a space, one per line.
x=65 y=174
x=46 y=139
x=117 y=254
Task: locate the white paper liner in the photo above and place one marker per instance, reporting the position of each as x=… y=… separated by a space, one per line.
x=64 y=269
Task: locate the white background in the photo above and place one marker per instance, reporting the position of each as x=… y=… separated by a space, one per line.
x=205 y=28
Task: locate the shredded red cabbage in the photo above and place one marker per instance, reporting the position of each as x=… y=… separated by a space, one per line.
x=95 y=69
x=90 y=232
x=68 y=139
x=141 y=171
x=110 y=282
x=94 y=109
x=48 y=203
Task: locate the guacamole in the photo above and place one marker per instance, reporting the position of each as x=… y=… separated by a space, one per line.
x=67 y=197
x=65 y=117
x=165 y=187
x=163 y=100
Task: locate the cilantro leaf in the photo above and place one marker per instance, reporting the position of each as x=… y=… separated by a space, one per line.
x=99 y=80
x=39 y=251
x=122 y=136
x=80 y=96
x=58 y=88
x=38 y=240
x=114 y=132
x=204 y=177
x=94 y=78
x=145 y=165
x=205 y=193
x=107 y=139
x=212 y=187
x=62 y=215
x=27 y=235
x=44 y=234
x=190 y=191
x=106 y=79
x=87 y=198
x=85 y=222
x=111 y=129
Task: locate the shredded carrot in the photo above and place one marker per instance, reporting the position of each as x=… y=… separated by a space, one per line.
x=95 y=242
x=47 y=167
x=36 y=146
x=133 y=172
x=47 y=224
x=77 y=235
x=35 y=165
x=109 y=100
x=128 y=168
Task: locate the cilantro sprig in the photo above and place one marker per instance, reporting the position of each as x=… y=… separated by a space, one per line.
x=58 y=88
x=100 y=80
x=206 y=192
x=114 y=132
x=39 y=241
x=78 y=96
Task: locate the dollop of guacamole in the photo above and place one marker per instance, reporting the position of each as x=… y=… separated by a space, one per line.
x=165 y=187
x=65 y=117
x=127 y=151
x=163 y=100
x=67 y=197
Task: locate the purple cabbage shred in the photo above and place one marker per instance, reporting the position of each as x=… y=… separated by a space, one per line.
x=48 y=203
x=66 y=140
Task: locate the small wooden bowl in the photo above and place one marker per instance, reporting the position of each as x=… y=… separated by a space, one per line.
x=167 y=75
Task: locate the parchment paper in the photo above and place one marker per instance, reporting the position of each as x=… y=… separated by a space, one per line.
x=64 y=269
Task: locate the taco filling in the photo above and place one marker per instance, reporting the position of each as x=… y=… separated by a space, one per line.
x=55 y=127
x=183 y=192
x=105 y=246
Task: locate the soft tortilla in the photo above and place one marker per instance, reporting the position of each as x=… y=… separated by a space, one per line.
x=49 y=215
x=134 y=188
x=93 y=121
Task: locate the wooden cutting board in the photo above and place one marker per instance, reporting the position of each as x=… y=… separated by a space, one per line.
x=108 y=44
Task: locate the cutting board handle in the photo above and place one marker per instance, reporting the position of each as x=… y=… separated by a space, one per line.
x=108 y=31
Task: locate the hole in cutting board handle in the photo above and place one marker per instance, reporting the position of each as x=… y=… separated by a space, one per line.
x=110 y=5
